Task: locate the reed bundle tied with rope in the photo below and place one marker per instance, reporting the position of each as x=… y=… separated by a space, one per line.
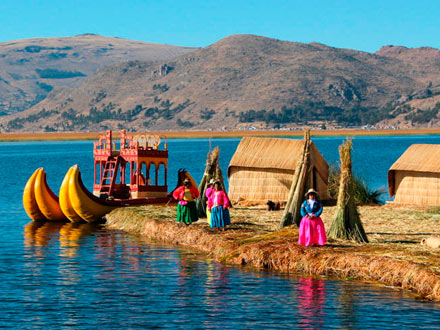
x=212 y=171
x=347 y=223
x=292 y=212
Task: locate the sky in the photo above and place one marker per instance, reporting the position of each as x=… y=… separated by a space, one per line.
x=363 y=25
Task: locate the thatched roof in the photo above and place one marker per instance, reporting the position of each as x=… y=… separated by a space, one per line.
x=270 y=153
x=417 y=158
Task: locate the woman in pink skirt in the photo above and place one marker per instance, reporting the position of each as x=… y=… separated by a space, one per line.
x=311 y=229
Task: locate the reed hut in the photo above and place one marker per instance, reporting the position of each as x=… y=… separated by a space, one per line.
x=262 y=169
x=415 y=177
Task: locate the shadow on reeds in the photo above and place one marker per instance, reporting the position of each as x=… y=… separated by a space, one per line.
x=246 y=224
x=342 y=246
x=401 y=242
x=434 y=210
x=402 y=234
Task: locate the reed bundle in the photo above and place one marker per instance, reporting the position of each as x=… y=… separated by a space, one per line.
x=212 y=171
x=347 y=223
x=293 y=206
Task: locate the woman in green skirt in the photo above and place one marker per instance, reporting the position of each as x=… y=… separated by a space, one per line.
x=186 y=208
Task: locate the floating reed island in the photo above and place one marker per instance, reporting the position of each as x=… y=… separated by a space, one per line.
x=369 y=243
x=393 y=257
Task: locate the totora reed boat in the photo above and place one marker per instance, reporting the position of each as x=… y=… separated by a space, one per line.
x=133 y=174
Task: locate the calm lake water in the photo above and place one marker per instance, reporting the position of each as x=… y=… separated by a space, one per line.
x=59 y=276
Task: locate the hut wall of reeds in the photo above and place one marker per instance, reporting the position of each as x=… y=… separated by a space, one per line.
x=415 y=177
x=262 y=169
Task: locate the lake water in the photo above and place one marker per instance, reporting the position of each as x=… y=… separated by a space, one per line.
x=56 y=276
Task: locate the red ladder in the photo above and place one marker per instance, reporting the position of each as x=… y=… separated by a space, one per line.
x=110 y=173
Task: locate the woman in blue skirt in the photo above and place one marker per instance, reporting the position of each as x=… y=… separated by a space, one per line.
x=218 y=204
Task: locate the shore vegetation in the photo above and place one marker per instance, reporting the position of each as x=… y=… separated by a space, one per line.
x=363 y=194
x=60 y=136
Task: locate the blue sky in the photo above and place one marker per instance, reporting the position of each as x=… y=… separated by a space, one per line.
x=362 y=25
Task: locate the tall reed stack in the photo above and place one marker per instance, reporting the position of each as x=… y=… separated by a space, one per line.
x=347 y=223
x=302 y=172
x=212 y=171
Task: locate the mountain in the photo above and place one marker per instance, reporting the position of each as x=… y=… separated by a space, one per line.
x=420 y=108
x=245 y=80
x=30 y=69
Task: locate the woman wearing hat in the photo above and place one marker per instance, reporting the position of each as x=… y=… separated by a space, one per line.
x=218 y=204
x=186 y=208
x=311 y=229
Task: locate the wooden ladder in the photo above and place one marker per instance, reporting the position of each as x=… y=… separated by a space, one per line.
x=110 y=173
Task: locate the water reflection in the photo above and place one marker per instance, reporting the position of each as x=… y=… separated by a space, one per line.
x=108 y=279
x=347 y=310
x=218 y=293
x=39 y=234
x=70 y=236
x=311 y=299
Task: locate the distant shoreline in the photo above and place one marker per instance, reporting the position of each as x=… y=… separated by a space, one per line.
x=71 y=136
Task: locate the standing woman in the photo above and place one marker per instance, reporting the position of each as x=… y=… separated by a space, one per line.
x=218 y=204
x=186 y=208
x=311 y=229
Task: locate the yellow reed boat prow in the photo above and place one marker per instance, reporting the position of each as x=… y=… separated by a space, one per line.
x=39 y=201
x=47 y=201
x=75 y=202
x=29 y=201
x=83 y=203
x=65 y=205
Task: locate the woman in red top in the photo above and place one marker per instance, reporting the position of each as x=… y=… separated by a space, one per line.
x=218 y=204
x=186 y=208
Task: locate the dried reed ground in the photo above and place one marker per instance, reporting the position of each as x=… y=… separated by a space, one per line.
x=394 y=257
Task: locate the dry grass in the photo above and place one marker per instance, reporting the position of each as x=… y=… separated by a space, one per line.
x=7 y=137
x=394 y=256
x=347 y=223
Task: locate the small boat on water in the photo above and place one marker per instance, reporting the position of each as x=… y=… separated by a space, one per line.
x=133 y=174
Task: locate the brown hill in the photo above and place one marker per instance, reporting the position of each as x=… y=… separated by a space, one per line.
x=241 y=80
x=31 y=68
x=421 y=107
x=423 y=57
